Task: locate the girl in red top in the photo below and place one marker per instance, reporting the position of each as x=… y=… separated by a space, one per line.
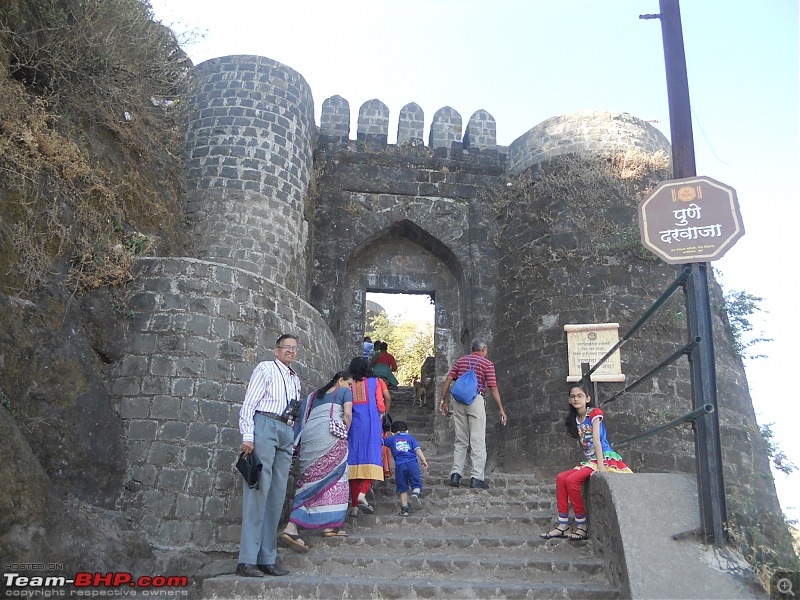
x=586 y=424
x=384 y=365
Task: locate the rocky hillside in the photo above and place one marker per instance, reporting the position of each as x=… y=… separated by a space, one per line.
x=89 y=179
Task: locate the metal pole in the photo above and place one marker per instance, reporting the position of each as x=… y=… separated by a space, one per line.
x=680 y=112
x=711 y=487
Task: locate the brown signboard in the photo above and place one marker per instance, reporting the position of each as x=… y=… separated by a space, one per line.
x=696 y=219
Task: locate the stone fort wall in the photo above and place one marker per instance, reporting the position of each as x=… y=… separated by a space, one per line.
x=248 y=155
x=295 y=223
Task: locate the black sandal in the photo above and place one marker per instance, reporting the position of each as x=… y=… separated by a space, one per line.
x=580 y=534
x=562 y=533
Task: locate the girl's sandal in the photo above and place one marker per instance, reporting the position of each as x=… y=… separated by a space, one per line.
x=580 y=534
x=562 y=533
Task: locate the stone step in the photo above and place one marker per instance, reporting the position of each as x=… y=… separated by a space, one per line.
x=502 y=523
x=465 y=504
x=413 y=420
x=423 y=434
x=376 y=586
x=494 y=480
x=436 y=482
x=441 y=496
x=407 y=408
x=544 y=510
x=387 y=499
x=435 y=544
x=437 y=478
x=400 y=401
x=463 y=567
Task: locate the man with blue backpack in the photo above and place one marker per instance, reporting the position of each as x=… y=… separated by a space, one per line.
x=470 y=376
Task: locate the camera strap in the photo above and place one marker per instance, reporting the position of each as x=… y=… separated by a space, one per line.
x=295 y=388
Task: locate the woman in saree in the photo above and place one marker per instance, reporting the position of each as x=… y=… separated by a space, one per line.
x=371 y=400
x=322 y=489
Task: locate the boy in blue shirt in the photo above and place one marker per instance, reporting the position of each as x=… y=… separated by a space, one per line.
x=405 y=450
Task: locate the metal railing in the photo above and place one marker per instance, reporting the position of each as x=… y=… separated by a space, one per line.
x=689 y=417
x=709 y=464
x=675 y=285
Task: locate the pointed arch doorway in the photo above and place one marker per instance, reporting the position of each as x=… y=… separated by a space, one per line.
x=405 y=259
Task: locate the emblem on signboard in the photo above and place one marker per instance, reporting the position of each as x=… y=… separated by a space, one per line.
x=687 y=193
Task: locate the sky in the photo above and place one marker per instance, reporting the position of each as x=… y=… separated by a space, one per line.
x=525 y=61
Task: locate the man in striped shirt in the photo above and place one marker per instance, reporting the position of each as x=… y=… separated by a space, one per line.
x=265 y=428
x=469 y=421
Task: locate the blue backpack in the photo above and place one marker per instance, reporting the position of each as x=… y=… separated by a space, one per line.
x=465 y=388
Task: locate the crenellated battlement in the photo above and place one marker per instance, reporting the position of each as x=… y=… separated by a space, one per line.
x=447 y=136
x=591 y=132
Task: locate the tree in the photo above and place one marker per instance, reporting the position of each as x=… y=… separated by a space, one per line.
x=740 y=307
x=409 y=341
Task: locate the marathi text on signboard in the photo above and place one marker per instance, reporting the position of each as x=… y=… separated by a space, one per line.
x=588 y=344
x=690 y=220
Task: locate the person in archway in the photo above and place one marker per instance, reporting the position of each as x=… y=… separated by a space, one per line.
x=384 y=365
x=470 y=419
x=376 y=350
x=369 y=347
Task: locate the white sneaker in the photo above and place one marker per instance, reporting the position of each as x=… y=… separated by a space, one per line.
x=417 y=500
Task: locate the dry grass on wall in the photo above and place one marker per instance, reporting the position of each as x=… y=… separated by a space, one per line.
x=576 y=191
x=89 y=174
x=591 y=202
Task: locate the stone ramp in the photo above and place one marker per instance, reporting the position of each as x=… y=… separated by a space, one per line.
x=461 y=543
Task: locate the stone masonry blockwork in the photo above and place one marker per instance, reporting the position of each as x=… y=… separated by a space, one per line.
x=181 y=403
x=294 y=225
x=249 y=133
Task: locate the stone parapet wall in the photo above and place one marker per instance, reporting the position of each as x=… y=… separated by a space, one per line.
x=200 y=329
x=584 y=133
x=249 y=137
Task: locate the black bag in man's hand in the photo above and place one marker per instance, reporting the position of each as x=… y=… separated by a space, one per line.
x=250 y=468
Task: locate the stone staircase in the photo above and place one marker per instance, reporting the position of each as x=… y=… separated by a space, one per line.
x=462 y=543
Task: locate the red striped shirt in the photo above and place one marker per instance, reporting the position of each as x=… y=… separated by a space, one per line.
x=484 y=370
